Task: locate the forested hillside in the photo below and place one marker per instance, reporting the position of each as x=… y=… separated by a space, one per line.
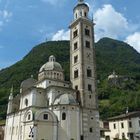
x=110 y=55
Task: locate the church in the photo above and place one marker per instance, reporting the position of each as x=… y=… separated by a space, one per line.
x=51 y=108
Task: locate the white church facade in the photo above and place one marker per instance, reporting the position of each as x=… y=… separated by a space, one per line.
x=51 y=108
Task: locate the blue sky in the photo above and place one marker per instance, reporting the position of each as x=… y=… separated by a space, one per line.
x=26 y=23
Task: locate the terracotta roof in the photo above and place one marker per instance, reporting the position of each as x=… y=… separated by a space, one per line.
x=125 y=116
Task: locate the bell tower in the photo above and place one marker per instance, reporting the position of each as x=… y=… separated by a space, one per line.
x=83 y=69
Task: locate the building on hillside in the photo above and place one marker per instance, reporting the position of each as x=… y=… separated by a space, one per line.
x=121 y=81
x=125 y=126
x=113 y=76
x=51 y=108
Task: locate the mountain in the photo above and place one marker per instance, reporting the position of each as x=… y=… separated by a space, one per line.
x=110 y=55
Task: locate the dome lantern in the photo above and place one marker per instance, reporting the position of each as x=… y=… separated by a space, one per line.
x=52 y=58
x=81 y=10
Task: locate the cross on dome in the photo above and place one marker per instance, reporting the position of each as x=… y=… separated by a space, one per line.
x=80 y=1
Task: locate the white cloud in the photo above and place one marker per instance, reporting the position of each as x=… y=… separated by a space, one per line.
x=61 y=35
x=110 y=23
x=4 y=17
x=54 y=2
x=4 y=14
x=134 y=40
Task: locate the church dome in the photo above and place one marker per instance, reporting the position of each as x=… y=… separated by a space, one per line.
x=65 y=99
x=28 y=83
x=51 y=65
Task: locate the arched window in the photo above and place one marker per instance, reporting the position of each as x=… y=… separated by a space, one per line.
x=57 y=75
x=76 y=15
x=85 y=14
x=29 y=116
x=80 y=13
x=63 y=116
x=26 y=102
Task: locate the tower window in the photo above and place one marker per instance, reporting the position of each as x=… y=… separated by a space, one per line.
x=45 y=116
x=75 y=33
x=80 y=13
x=89 y=87
x=85 y=14
x=87 y=32
x=75 y=45
x=91 y=130
x=76 y=59
x=82 y=137
x=76 y=74
x=76 y=15
x=87 y=44
x=76 y=87
x=89 y=73
x=63 y=116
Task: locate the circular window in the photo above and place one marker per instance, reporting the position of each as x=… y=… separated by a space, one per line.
x=26 y=102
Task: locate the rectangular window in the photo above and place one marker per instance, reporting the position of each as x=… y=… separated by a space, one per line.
x=87 y=32
x=76 y=87
x=75 y=33
x=87 y=44
x=89 y=87
x=90 y=130
x=82 y=137
x=130 y=124
x=46 y=117
x=89 y=73
x=75 y=45
x=76 y=74
x=76 y=59
x=63 y=116
x=122 y=125
x=89 y=96
x=114 y=126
